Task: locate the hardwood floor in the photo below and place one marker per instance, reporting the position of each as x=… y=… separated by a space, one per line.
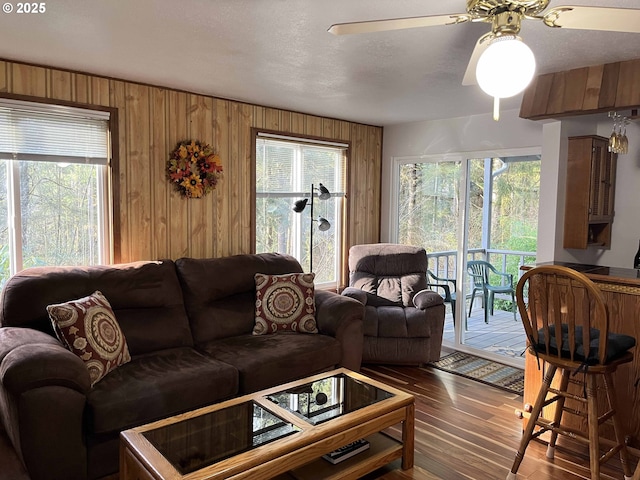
x=464 y=431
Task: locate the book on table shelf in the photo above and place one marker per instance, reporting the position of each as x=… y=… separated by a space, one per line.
x=347 y=451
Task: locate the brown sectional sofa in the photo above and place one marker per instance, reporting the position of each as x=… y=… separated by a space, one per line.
x=188 y=327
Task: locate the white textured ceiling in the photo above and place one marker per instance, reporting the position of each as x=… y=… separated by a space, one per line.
x=278 y=52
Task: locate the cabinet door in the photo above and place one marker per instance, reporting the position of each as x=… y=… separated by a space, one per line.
x=577 y=201
x=603 y=171
x=590 y=192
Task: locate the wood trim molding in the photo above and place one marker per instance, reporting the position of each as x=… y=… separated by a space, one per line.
x=617 y=288
x=583 y=91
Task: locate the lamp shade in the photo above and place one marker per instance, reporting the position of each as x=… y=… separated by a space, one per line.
x=300 y=205
x=506 y=67
x=325 y=194
x=323 y=224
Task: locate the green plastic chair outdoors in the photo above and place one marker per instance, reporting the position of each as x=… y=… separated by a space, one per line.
x=448 y=286
x=479 y=271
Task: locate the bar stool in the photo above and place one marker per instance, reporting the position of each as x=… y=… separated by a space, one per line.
x=567 y=327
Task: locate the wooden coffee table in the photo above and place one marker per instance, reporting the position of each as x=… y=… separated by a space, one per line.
x=279 y=432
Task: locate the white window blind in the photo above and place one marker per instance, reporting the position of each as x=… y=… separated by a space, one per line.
x=53 y=133
x=288 y=166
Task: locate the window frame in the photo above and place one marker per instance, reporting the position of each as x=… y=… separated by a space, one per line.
x=107 y=177
x=341 y=228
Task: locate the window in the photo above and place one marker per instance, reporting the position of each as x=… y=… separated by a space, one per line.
x=53 y=186
x=286 y=170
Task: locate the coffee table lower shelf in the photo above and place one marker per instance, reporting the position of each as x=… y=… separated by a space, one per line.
x=383 y=450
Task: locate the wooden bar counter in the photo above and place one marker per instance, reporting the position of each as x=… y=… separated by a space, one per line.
x=621 y=289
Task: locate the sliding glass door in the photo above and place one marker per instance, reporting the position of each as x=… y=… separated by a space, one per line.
x=472 y=207
x=430 y=201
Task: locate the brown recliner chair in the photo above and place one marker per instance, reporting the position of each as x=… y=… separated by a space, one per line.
x=404 y=321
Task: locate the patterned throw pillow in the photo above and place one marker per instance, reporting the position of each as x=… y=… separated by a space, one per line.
x=88 y=327
x=285 y=303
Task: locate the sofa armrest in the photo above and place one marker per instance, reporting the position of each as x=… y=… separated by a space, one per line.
x=33 y=366
x=31 y=359
x=342 y=318
x=43 y=390
x=356 y=294
x=426 y=299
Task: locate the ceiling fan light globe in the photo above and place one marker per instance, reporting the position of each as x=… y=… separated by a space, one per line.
x=506 y=67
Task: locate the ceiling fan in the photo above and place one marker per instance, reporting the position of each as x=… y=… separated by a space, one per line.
x=501 y=63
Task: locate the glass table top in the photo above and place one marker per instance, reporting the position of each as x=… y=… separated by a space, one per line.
x=200 y=441
x=328 y=398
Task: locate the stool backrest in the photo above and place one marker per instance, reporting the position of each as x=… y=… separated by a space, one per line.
x=564 y=315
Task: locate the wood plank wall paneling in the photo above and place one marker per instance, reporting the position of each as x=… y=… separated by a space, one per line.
x=599 y=88
x=155 y=221
x=177 y=221
x=160 y=194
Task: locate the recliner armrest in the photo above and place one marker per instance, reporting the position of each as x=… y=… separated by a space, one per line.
x=356 y=294
x=369 y=299
x=426 y=299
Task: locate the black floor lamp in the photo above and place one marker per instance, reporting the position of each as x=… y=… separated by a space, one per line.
x=323 y=223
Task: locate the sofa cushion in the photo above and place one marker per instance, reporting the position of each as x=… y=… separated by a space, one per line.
x=88 y=328
x=617 y=344
x=145 y=296
x=285 y=303
x=267 y=360
x=220 y=293
x=158 y=385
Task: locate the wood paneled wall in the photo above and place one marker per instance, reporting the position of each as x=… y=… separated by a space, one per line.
x=155 y=221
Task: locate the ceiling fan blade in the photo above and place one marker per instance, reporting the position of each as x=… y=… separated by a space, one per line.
x=481 y=46
x=398 y=23
x=594 y=18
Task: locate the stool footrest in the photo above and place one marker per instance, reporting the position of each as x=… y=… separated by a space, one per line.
x=609 y=454
x=573 y=411
x=574 y=433
x=572 y=396
x=606 y=416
